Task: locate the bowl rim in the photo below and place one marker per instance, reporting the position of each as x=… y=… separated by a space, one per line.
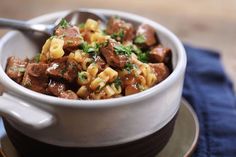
x=14 y=87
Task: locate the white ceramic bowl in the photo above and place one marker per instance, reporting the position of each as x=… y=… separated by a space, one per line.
x=90 y=123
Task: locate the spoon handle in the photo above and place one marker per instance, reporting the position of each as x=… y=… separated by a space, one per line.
x=24 y=26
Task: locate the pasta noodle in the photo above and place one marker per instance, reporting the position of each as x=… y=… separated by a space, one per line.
x=52 y=49
x=92 y=69
x=84 y=78
x=56 y=48
x=91 y=25
x=83 y=92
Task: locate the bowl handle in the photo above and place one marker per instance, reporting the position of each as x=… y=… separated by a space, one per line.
x=22 y=112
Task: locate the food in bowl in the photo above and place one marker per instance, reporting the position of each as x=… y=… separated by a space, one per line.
x=87 y=62
x=91 y=128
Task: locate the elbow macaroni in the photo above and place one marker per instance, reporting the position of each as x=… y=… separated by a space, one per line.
x=56 y=48
x=52 y=49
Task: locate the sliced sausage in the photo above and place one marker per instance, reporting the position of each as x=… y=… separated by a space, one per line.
x=15 y=68
x=161 y=71
x=35 y=77
x=146 y=34
x=55 y=88
x=160 y=54
x=113 y=59
x=71 y=36
x=69 y=94
x=63 y=68
x=131 y=89
x=120 y=30
x=129 y=84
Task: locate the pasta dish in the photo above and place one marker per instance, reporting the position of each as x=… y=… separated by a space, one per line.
x=88 y=62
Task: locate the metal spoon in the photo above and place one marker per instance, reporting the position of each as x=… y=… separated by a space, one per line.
x=74 y=18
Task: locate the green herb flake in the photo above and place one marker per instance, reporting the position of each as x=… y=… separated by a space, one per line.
x=123 y=50
x=63 y=71
x=117 y=82
x=104 y=32
x=143 y=57
x=63 y=23
x=139 y=39
x=116 y=17
x=129 y=66
x=18 y=69
x=81 y=25
x=140 y=87
x=89 y=48
x=37 y=58
x=82 y=76
x=118 y=35
x=104 y=44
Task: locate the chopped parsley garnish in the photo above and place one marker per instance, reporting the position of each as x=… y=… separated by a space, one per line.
x=104 y=32
x=37 y=58
x=140 y=87
x=117 y=82
x=18 y=69
x=123 y=50
x=117 y=17
x=63 y=71
x=139 y=39
x=143 y=57
x=21 y=69
x=63 y=23
x=118 y=35
x=82 y=76
x=104 y=44
x=129 y=66
x=89 y=48
x=81 y=25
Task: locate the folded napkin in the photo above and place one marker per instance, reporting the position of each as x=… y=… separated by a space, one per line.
x=210 y=92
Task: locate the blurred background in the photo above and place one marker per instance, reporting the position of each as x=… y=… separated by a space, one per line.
x=201 y=23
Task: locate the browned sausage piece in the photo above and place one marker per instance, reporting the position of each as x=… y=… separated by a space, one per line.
x=145 y=35
x=101 y=63
x=128 y=80
x=120 y=30
x=131 y=89
x=69 y=94
x=113 y=59
x=129 y=83
x=160 y=54
x=161 y=71
x=63 y=68
x=16 y=68
x=71 y=36
x=56 y=88
x=35 y=77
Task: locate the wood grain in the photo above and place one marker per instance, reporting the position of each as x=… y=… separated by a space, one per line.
x=204 y=23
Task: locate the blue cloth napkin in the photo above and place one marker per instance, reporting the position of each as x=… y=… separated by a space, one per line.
x=210 y=92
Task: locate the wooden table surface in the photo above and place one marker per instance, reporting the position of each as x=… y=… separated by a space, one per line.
x=204 y=23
